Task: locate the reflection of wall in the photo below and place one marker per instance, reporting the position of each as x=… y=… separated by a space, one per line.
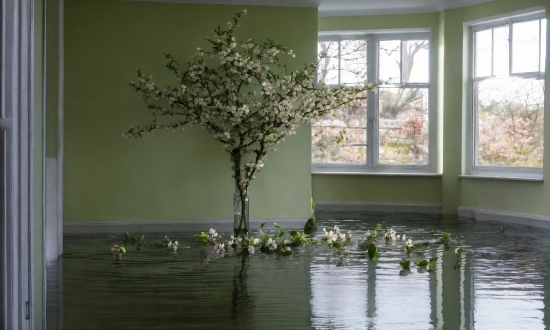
x=182 y=175
x=452 y=192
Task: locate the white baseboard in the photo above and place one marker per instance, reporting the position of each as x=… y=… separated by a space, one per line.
x=503 y=216
x=335 y=206
x=167 y=226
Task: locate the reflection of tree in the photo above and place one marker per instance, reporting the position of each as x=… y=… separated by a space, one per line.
x=242 y=307
x=511 y=123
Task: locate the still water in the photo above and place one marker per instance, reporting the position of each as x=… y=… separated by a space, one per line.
x=500 y=282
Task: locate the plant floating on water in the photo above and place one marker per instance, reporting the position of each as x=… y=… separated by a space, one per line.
x=138 y=241
x=171 y=246
x=210 y=238
x=118 y=251
x=279 y=243
x=311 y=223
x=334 y=238
x=390 y=235
x=405 y=265
x=423 y=263
x=373 y=252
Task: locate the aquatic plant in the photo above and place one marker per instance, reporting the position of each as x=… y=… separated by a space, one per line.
x=334 y=238
x=118 y=251
x=138 y=241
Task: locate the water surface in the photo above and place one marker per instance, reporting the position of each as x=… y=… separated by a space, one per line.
x=501 y=282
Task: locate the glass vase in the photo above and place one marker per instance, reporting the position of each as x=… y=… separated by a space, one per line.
x=241 y=220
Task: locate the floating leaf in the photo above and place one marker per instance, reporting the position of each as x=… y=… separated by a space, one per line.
x=373 y=252
x=422 y=263
x=406 y=265
x=310 y=225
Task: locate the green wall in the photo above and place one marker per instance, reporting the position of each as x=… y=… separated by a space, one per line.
x=183 y=175
x=505 y=195
x=382 y=188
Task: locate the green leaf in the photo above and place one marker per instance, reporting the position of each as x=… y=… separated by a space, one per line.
x=433 y=260
x=277 y=226
x=281 y=234
x=405 y=264
x=409 y=249
x=372 y=251
x=285 y=253
x=294 y=233
x=310 y=225
x=335 y=244
x=122 y=249
x=262 y=225
x=422 y=263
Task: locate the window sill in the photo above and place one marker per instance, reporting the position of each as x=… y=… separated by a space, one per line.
x=502 y=177
x=408 y=174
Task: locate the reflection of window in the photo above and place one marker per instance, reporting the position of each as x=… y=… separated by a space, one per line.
x=391 y=131
x=508 y=96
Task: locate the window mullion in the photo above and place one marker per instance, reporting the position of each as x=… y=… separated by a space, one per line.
x=372 y=75
x=510 y=48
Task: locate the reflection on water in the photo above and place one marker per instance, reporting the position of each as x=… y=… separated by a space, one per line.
x=501 y=282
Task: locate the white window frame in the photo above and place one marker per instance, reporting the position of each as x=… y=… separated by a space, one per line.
x=372 y=162
x=471 y=169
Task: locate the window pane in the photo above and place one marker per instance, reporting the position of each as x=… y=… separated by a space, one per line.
x=510 y=120
x=328 y=65
x=341 y=137
x=403 y=126
x=353 y=61
x=525 y=47
x=501 y=54
x=390 y=61
x=483 y=53
x=543 y=46
x=415 y=61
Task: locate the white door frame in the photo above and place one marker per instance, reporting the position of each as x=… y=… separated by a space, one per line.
x=16 y=163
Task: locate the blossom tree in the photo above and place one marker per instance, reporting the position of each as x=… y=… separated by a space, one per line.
x=242 y=95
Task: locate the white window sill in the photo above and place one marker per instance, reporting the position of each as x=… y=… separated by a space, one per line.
x=503 y=177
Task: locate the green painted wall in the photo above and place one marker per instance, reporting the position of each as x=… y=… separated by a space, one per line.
x=183 y=175
x=511 y=196
x=374 y=188
x=377 y=188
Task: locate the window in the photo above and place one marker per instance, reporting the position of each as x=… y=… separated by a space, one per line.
x=391 y=130
x=508 y=64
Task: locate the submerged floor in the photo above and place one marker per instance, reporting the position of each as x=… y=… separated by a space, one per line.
x=501 y=282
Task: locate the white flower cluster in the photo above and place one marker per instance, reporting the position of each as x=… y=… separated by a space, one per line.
x=272 y=244
x=408 y=242
x=366 y=236
x=249 y=101
x=219 y=249
x=391 y=235
x=336 y=236
x=173 y=245
x=212 y=235
x=117 y=253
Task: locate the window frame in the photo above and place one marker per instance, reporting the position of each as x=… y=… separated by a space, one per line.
x=471 y=168
x=372 y=165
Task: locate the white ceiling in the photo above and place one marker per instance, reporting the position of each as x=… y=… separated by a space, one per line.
x=352 y=7
x=384 y=7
